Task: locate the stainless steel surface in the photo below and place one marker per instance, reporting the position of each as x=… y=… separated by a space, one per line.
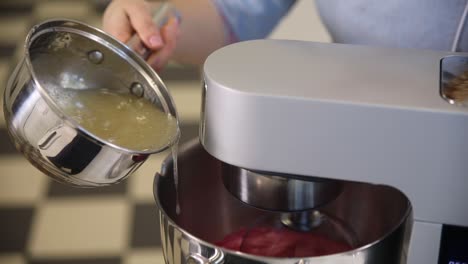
x=62 y=56
x=312 y=223
x=454 y=79
x=279 y=192
x=380 y=216
x=304 y=220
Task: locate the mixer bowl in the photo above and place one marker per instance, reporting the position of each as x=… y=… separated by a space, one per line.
x=65 y=55
x=380 y=216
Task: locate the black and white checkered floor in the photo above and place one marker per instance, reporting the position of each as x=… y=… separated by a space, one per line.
x=42 y=221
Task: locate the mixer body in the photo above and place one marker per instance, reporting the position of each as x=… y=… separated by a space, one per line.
x=325 y=113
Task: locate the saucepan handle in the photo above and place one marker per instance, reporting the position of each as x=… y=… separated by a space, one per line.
x=160 y=17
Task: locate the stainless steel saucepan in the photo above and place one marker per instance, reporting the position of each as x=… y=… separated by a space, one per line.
x=62 y=56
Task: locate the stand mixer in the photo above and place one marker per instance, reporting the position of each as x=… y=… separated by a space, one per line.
x=358 y=146
x=367 y=133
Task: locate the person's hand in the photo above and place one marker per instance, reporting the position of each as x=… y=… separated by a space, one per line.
x=122 y=18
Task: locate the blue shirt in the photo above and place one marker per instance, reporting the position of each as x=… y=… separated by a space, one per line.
x=426 y=24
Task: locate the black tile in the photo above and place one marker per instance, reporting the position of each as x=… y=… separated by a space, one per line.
x=57 y=190
x=7 y=50
x=16 y=7
x=15 y=224
x=188 y=131
x=17 y=2
x=145 y=230
x=113 y=260
x=6 y=145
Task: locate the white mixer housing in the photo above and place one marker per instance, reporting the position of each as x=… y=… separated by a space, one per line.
x=345 y=112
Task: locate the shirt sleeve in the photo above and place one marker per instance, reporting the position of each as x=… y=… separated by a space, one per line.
x=251 y=19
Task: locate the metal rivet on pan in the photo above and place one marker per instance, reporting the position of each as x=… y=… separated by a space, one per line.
x=95 y=56
x=137 y=89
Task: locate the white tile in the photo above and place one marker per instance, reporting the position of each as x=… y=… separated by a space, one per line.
x=18 y=54
x=187 y=97
x=4 y=75
x=12 y=259
x=63 y=9
x=4 y=71
x=2 y=117
x=94 y=20
x=141 y=183
x=14 y=29
x=20 y=182
x=86 y=226
x=145 y=256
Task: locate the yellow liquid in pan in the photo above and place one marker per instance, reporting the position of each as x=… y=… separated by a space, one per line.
x=122 y=119
x=125 y=120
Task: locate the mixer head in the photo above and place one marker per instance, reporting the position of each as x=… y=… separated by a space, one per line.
x=279 y=192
